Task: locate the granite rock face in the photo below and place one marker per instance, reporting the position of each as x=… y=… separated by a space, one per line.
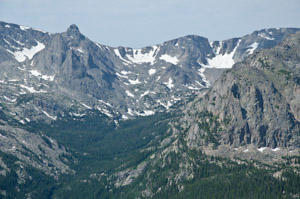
x=256 y=102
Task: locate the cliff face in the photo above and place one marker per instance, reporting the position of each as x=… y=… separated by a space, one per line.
x=256 y=102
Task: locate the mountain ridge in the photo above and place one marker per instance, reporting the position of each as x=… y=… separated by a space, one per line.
x=119 y=82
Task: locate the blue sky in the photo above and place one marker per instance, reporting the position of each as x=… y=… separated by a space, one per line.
x=139 y=23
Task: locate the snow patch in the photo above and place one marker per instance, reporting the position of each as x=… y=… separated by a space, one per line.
x=77 y=114
x=246 y=150
x=167 y=106
x=139 y=58
x=276 y=149
x=193 y=88
x=169 y=84
x=146 y=113
x=31 y=89
x=117 y=52
x=145 y=93
x=263 y=35
x=107 y=104
x=170 y=59
x=125 y=72
x=80 y=50
x=25 y=53
x=134 y=82
x=24 y=28
x=48 y=78
x=35 y=73
x=105 y=111
x=143 y=113
x=152 y=71
x=261 y=149
x=130 y=112
x=123 y=76
x=51 y=117
x=129 y=94
x=252 y=48
x=7 y=26
x=222 y=61
x=39 y=75
x=22 y=121
x=13 y=80
x=176 y=98
x=8 y=99
x=99 y=45
x=86 y=106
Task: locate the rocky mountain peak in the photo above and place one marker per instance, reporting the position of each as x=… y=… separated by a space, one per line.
x=73 y=32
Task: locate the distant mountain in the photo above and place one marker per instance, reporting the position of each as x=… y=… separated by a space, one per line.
x=46 y=76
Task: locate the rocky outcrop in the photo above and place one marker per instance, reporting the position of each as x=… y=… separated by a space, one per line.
x=254 y=103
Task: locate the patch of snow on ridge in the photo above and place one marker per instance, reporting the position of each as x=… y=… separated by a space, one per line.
x=201 y=73
x=80 y=50
x=261 y=149
x=145 y=93
x=263 y=35
x=51 y=117
x=104 y=111
x=117 y=52
x=169 y=84
x=134 y=82
x=108 y=104
x=252 y=48
x=31 y=89
x=152 y=71
x=35 y=73
x=21 y=56
x=170 y=59
x=24 y=28
x=77 y=114
x=139 y=58
x=39 y=75
x=8 y=99
x=276 y=149
x=222 y=61
x=125 y=72
x=129 y=94
x=146 y=113
x=86 y=106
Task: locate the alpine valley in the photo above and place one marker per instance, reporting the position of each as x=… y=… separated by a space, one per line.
x=189 y=118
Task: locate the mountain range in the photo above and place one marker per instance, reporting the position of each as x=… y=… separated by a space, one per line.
x=67 y=71
x=96 y=121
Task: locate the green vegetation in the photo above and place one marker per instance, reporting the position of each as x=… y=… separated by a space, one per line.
x=36 y=183
x=100 y=148
x=286 y=73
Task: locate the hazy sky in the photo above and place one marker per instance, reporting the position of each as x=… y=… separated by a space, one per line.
x=139 y=23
